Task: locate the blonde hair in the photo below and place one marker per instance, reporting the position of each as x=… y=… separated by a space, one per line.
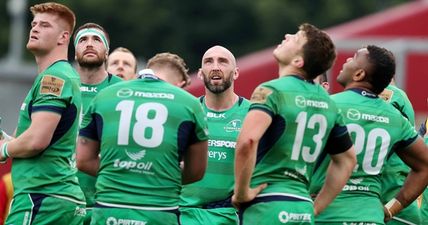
x=123 y=49
x=57 y=9
x=173 y=61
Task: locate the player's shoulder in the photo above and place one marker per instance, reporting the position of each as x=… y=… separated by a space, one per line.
x=59 y=73
x=61 y=69
x=113 y=79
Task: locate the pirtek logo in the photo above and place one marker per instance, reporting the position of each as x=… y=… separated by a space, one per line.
x=114 y=221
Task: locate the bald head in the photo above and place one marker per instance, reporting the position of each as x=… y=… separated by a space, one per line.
x=218 y=70
x=219 y=51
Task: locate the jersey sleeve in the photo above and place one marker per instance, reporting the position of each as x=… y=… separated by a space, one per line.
x=339 y=140
x=408 y=135
x=201 y=126
x=92 y=124
x=52 y=93
x=265 y=99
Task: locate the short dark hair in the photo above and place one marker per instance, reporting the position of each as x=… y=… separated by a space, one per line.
x=318 y=52
x=381 y=69
x=92 y=25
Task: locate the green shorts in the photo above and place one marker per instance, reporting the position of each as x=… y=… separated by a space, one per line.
x=87 y=219
x=43 y=209
x=198 y=216
x=277 y=210
x=102 y=215
x=352 y=208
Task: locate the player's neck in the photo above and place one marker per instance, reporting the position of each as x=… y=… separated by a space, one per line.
x=222 y=101
x=45 y=60
x=92 y=75
x=286 y=70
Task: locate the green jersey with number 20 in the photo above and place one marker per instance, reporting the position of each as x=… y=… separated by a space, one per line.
x=376 y=129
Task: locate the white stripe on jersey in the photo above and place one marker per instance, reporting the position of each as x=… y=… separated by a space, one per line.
x=68 y=199
x=284 y=194
x=137 y=207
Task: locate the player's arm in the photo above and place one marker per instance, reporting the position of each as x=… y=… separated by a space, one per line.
x=338 y=173
x=343 y=161
x=255 y=124
x=416 y=157
x=35 y=139
x=87 y=155
x=195 y=162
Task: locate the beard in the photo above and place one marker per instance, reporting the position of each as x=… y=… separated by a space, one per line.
x=217 y=89
x=91 y=63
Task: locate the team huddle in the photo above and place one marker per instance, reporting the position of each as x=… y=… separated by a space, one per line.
x=148 y=152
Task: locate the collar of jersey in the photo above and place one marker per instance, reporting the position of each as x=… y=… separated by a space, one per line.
x=363 y=92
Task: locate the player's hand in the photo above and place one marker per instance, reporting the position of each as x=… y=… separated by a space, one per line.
x=387 y=214
x=4 y=136
x=249 y=195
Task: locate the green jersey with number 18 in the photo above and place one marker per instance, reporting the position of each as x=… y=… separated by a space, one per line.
x=144 y=127
x=51 y=172
x=216 y=187
x=304 y=120
x=377 y=129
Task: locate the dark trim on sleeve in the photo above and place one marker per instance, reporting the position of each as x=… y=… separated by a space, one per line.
x=402 y=145
x=186 y=136
x=256 y=107
x=94 y=129
x=338 y=141
x=49 y=108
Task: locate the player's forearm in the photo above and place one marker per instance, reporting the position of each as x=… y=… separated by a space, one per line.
x=25 y=146
x=245 y=160
x=87 y=155
x=195 y=162
x=89 y=166
x=414 y=185
x=337 y=175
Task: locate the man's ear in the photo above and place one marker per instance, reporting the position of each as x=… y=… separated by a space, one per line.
x=64 y=38
x=298 y=61
x=180 y=84
x=359 y=75
x=236 y=73
x=200 y=75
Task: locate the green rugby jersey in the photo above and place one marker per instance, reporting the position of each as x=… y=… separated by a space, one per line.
x=304 y=119
x=89 y=91
x=377 y=130
x=51 y=172
x=144 y=126
x=216 y=188
x=395 y=166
